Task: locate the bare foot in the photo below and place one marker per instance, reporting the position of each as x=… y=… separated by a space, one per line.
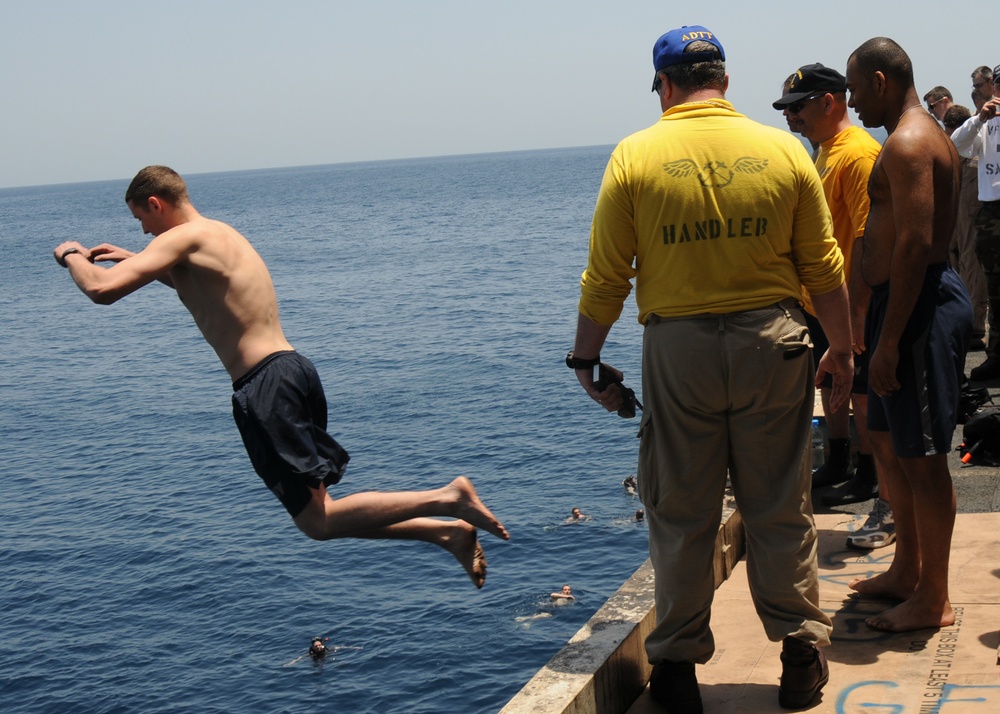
x=471 y=510
x=885 y=585
x=464 y=545
x=914 y=614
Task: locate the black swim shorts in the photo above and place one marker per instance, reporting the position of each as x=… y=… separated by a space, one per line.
x=921 y=415
x=280 y=409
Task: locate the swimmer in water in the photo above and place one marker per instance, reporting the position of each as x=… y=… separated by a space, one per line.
x=640 y=516
x=563 y=596
x=317 y=650
x=575 y=516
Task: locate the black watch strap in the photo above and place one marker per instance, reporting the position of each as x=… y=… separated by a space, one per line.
x=576 y=363
x=62 y=258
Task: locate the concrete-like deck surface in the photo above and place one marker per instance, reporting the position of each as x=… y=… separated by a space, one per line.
x=953 y=670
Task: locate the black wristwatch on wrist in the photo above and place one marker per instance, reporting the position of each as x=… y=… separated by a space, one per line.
x=574 y=362
x=62 y=258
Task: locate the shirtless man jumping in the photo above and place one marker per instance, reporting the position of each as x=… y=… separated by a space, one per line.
x=918 y=327
x=278 y=401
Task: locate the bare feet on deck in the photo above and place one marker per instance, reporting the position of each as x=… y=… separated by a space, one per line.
x=914 y=614
x=471 y=510
x=885 y=585
x=464 y=545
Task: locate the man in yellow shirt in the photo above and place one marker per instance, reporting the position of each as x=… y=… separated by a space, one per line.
x=815 y=106
x=721 y=221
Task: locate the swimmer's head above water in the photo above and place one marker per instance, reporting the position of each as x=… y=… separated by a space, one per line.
x=565 y=594
x=317 y=650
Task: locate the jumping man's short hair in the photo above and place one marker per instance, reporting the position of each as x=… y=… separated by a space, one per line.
x=159 y=181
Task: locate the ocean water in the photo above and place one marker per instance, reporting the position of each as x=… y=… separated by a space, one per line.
x=144 y=565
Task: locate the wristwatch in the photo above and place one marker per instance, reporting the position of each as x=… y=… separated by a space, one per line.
x=62 y=258
x=578 y=363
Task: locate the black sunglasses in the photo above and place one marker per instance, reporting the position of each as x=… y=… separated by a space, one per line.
x=796 y=107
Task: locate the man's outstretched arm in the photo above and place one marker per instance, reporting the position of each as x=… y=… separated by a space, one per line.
x=107 y=253
x=130 y=272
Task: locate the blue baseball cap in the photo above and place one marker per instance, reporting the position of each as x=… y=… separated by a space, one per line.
x=669 y=49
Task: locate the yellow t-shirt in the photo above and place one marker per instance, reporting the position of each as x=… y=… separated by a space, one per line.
x=711 y=213
x=844 y=164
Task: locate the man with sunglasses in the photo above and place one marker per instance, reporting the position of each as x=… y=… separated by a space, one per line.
x=939 y=101
x=815 y=106
x=982 y=86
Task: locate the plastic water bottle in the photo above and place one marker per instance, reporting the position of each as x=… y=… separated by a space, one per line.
x=818 y=441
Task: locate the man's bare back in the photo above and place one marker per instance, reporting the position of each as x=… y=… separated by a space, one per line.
x=228 y=290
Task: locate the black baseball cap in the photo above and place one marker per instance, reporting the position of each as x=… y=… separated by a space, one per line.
x=810 y=80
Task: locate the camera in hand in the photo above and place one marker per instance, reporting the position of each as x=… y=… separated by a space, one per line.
x=605 y=378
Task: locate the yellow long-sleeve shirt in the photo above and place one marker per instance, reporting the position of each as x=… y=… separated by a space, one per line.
x=711 y=213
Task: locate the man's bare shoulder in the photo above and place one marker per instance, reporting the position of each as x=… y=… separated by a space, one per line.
x=200 y=229
x=916 y=137
x=900 y=156
x=204 y=236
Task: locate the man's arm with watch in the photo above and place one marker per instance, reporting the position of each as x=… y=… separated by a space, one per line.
x=585 y=360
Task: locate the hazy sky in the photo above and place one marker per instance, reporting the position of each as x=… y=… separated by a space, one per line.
x=97 y=90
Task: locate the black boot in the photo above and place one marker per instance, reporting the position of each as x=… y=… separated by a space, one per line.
x=804 y=673
x=674 y=686
x=862 y=487
x=838 y=467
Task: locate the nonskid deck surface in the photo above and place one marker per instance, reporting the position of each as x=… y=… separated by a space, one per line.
x=952 y=670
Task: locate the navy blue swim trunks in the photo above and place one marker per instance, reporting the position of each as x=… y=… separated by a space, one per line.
x=280 y=409
x=921 y=415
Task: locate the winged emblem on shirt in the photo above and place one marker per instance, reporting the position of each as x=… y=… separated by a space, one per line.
x=715 y=174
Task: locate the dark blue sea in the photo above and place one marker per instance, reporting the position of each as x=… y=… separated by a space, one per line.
x=143 y=565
